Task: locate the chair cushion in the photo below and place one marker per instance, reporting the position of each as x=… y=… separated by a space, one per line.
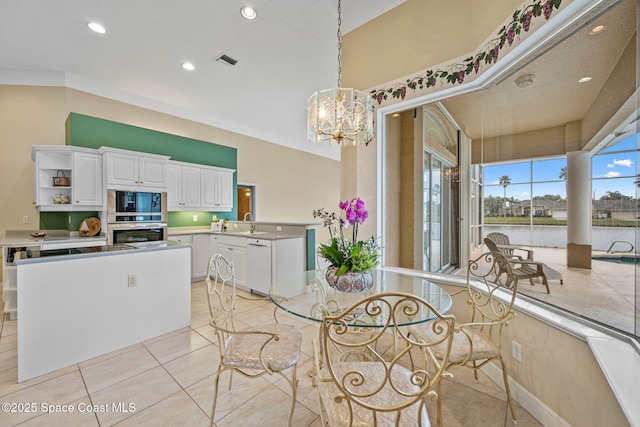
x=243 y=350
x=374 y=372
x=483 y=346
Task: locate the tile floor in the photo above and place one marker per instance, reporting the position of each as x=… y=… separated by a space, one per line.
x=169 y=381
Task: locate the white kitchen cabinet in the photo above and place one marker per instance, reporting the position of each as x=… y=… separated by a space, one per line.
x=288 y=260
x=183 y=186
x=130 y=170
x=234 y=249
x=81 y=170
x=87 y=173
x=217 y=189
x=200 y=255
x=185 y=238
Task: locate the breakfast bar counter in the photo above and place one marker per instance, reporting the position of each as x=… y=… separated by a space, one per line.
x=84 y=303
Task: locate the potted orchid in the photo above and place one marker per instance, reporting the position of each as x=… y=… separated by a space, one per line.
x=354 y=259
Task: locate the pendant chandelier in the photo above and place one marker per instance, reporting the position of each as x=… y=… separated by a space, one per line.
x=340 y=116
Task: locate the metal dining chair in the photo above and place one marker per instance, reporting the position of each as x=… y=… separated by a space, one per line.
x=479 y=341
x=368 y=378
x=252 y=352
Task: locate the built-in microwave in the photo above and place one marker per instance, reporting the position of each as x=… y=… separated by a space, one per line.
x=136 y=206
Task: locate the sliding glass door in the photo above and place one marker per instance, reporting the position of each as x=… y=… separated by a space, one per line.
x=436 y=213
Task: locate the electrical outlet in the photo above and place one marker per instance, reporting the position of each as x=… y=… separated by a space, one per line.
x=516 y=351
x=25 y=219
x=195 y=218
x=133 y=280
x=278 y=228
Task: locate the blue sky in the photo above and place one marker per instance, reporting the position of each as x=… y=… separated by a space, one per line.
x=613 y=170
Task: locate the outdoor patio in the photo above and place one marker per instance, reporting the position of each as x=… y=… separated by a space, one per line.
x=606 y=293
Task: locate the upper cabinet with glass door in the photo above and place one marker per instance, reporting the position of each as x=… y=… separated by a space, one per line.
x=67 y=178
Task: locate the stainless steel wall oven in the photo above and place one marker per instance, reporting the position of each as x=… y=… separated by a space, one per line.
x=136 y=216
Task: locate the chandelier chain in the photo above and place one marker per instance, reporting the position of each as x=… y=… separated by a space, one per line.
x=339 y=44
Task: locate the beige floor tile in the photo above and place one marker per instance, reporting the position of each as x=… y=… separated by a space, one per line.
x=110 y=371
x=208 y=332
x=272 y=405
x=176 y=410
x=110 y=355
x=9 y=359
x=474 y=408
x=242 y=390
x=82 y=416
x=9 y=379
x=195 y=366
x=61 y=390
x=141 y=391
x=306 y=393
x=199 y=319
x=9 y=327
x=256 y=316
x=8 y=342
x=176 y=345
x=167 y=335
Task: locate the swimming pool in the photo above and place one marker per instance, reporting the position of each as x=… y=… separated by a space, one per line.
x=618 y=259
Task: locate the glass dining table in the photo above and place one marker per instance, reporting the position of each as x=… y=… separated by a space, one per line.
x=308 y=295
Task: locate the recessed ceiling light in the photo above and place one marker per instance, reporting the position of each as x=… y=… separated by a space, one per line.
x=94 y=26
x=597 y=29
x=584 y=80
x=248 y=12
x=188 y=66
x=395 y=115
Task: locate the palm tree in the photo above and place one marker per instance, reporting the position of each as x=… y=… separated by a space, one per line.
x=504 y=180
x=563 y=176
x=563 y=173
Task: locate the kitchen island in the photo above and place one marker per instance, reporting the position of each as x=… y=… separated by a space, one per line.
x=80 y=303
x=25 y=242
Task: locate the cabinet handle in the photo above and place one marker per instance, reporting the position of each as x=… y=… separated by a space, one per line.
x=77 y=201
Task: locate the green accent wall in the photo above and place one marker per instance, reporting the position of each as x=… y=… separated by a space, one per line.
x=69 y=221
x=311 y=249
x=185 y=219
x=92 y=132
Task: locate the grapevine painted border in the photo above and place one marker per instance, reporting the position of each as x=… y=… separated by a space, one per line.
x=456 y=73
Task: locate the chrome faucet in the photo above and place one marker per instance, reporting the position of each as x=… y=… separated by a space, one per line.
x=252 y=227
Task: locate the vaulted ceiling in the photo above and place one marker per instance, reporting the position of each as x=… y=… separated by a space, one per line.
x=284 y=55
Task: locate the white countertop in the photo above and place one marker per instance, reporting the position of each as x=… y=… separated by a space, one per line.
x=134 y=248
x=268 y=232
x=18 y=238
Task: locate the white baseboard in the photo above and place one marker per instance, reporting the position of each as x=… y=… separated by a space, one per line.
x=527 y=400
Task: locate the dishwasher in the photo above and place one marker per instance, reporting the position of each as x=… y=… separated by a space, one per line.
x=259 y=265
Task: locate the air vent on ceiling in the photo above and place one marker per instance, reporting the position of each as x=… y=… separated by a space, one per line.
x=226 y=58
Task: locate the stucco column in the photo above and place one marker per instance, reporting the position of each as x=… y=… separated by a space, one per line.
x=578 y=209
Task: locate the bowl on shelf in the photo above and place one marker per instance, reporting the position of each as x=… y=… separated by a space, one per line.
x=89 y=227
